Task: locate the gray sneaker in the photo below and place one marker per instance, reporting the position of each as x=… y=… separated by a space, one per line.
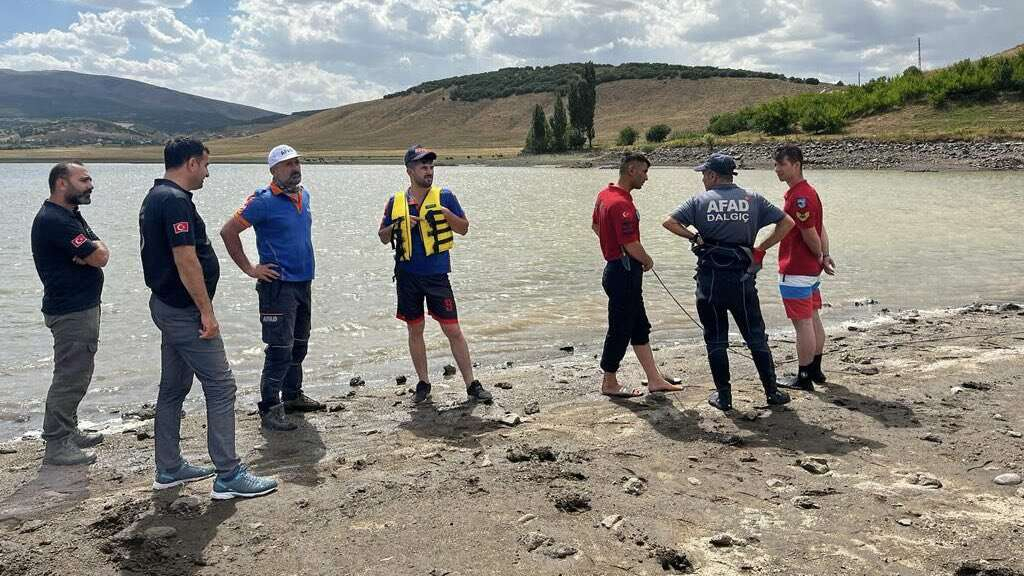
x=303 y=403
x=64 y=452
x=183 y=475
x=86 y=439
x=243 y=484
x=274 y=419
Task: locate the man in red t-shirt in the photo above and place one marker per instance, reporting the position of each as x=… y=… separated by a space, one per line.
x=617 y=225
x=803 y=255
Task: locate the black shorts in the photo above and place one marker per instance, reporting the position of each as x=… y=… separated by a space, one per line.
x=435 y=288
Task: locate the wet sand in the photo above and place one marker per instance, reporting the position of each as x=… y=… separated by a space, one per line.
x=888 y=468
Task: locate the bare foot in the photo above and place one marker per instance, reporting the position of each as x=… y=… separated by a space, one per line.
x=662 y=385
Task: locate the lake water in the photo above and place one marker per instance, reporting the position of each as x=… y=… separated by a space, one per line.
x=527 y=277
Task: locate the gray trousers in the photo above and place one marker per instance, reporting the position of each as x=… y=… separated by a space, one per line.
x=184 y=355
x=75 y=339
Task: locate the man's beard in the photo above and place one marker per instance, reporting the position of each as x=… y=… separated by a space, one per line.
x=79 y=199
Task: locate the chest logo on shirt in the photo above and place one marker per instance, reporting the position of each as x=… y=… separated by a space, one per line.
x=77 y=241
x=728 y=211
x=803 y=216
x=801 y=202
x=181 y=228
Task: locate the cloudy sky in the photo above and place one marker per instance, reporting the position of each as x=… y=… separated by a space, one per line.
x=288 y=55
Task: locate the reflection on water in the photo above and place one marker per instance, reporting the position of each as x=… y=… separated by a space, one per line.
x=527 y=276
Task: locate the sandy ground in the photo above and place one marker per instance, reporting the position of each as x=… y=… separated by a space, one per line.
x=888 y=468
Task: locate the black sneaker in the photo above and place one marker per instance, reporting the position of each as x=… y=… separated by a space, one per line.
x=777 y=398
x=818 y=377
x=476 y=392
x=422 y=392
x=721 y=401
x=303 y=403
x=802 y=381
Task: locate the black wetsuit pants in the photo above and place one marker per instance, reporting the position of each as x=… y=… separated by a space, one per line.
x=627 y=318
x=719 y=294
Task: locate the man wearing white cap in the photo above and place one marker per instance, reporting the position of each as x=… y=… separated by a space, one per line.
x=279 y=213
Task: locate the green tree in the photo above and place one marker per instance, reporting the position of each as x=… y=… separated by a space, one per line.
x=627 y=136
x=559 y=126
x=658 y=132
x=537 y=139
x=576 y=116
x=589 y=93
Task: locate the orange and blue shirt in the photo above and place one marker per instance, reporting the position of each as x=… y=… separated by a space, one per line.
x=284 y=230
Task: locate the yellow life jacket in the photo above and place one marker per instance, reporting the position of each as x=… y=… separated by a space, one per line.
x=434 y=228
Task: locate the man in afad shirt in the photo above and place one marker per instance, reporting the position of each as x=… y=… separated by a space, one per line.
x=69 y=258
x=617 y=224
x=181 y=270
x=280 y=215
x=727 y=219
x=421 y=222
x=803 y=255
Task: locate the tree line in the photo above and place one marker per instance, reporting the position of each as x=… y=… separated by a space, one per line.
x=830 y=112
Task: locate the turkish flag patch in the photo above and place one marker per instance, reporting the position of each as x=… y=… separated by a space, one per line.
x=77 y=241
x=181 y=228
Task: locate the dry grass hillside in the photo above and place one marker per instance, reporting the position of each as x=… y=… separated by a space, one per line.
x=390 y=125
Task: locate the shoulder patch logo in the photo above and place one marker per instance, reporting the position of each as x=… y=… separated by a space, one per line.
x=803 y=216
x=77 y=241
x=801 y=203
x=181 y=228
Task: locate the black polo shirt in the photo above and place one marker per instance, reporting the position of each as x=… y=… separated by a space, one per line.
x=169 y=218
x=58 y=236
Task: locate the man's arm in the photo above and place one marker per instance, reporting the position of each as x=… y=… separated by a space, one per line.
x=782 y=227
x=676 y=227
x=99 y=257
x=827 y=263
x=636 y=250
x=459 y=224
x=231 y=233
x=191 y=273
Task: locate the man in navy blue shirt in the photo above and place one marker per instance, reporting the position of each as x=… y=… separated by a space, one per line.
x=727 y=219
x=69 y=258
x=421 y=222
x=280 y=215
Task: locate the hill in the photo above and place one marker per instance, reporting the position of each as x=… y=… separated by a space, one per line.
x=433 y=118
x=37 y=107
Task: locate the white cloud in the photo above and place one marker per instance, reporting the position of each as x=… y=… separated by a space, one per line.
x=297 y=54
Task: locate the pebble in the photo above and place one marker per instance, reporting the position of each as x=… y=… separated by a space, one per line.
x=612 y=522
x=159 y=532
x=1008 y=479
x=694 y=481
x=335 y=407
x=775 y=483
x=531 y=408
x=905 y=522
x=569 y=349
x=185 y=504
x=401 y=380
x=932 y=438
x=6 y=450
x=449 y=370
x=535 y=540
x=634 y=486
x=486 y=462
x=726 y=541
x=357 y=381
x=814 y=465
x=805 y=502
x=1011 y=434
x=925 y=480
x=511 y=419
x=504 y=385
x=526 y=518
x=867 y=370
x=560 y=552
x=750 y=415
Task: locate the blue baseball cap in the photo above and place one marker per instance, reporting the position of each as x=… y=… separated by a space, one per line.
x=417 y=153
x=720 y=163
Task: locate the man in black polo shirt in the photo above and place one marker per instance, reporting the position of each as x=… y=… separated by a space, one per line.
x=68 y=257
x=181 y=269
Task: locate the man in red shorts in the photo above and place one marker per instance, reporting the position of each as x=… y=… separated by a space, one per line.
x=803 y=255
x=617 y=225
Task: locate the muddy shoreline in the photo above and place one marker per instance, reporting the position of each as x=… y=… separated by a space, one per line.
x=889 y=468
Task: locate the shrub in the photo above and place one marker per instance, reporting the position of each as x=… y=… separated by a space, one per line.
x=658 y=132
x=775 y=117
x=819 y=118
x=730 y=123
x=627 y=136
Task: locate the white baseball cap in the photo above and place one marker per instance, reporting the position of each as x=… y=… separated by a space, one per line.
x=280 y=154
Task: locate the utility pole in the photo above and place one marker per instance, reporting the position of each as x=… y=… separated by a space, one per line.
x=919 y=53
x=858 y=77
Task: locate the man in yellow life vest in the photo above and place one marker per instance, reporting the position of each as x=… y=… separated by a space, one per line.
x=421 y=223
